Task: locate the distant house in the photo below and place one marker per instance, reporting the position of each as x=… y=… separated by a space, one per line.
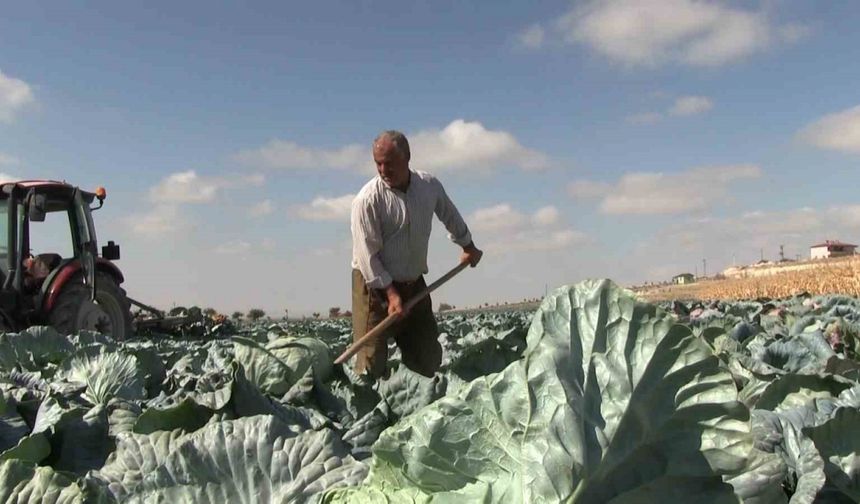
x=683 y=278
x=831 y=248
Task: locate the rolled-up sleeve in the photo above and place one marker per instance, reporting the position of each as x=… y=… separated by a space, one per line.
x=366 y=244
x=448 y=214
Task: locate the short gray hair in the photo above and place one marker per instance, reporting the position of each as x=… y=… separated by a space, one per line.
x=398 y=139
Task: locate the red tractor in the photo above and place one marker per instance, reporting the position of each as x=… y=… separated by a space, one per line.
x=73 y=290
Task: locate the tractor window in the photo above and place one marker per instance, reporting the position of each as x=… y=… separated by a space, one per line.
x=4 y=235
x=54 y=235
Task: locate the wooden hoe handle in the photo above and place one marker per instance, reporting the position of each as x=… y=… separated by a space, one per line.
x=355 y=347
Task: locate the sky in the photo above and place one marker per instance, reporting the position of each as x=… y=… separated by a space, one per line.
x=622 y=139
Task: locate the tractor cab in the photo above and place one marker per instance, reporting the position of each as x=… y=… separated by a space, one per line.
x=51 y=271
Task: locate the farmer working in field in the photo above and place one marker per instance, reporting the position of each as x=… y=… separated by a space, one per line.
x=391 y=220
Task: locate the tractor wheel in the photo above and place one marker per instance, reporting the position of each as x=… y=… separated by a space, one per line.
x=109 y=314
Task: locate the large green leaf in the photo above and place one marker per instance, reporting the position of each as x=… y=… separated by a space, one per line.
x=805 y=353
x=136 y=455
x=187 y=415
x=364 y=432
x=249 y=460
x=247 y=400
x=301 y=354
x=838 y=442
x=406 y=391
x=21 y=482
x=33 y=448
x=611 y=401
x=107 y=374
x=12 y=426
x=33 y=349
x=262 y=368
x=80 y=440
x=402 y=394
x=781 y=433
x=483 y=357
x=761 y=481
x=122 y=415
x=791 y=391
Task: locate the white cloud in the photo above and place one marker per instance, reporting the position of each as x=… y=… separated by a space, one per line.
x=691 y=105
x=235 y=247
x=546 y=216
x=505 y=230
x=681 y=107
x=159 y=220
x=326 y=209
x=744 y=238
x=184 y=187
x=564 y=238
x=261 y=209
x=6 y=177
x=254 y=179
x=496 y=218
x=739 y=239
x=466 y=145
x=15 y=94
x=653 y=32
x=838 y=131
x=534 y=240
x=189 y=187
x=587 y=189
x=284 y=155
x=166 y=199
x=461 y=145
x=532 y=37
x=647 y=193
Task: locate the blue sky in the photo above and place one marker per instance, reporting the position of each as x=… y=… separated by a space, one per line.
x=622 y=139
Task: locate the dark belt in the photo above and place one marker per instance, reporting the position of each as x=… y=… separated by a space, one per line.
x=407 y=287
x=407 y=283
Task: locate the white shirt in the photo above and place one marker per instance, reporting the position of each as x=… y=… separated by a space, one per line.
x=391 y=228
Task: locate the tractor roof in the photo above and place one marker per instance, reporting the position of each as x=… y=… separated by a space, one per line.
x=48 y=185
x=37 y=183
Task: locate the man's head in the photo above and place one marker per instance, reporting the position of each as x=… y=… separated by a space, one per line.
x=391 y=155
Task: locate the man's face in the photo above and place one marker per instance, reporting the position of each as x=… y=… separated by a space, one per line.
x=391 y=165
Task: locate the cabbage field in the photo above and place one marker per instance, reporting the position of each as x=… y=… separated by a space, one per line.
x=595 y=397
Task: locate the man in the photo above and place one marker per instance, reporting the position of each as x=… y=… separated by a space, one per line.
x=391 y=221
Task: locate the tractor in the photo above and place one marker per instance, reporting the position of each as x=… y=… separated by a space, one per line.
x=78 y=289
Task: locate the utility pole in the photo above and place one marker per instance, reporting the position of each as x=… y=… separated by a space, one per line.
x=704 y=267
x=781 y=253
x=762 y=255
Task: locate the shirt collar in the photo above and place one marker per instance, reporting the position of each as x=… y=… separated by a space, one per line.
x=408 y=183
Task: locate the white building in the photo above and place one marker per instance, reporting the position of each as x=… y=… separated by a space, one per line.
x=683 y=278
x=831 y=248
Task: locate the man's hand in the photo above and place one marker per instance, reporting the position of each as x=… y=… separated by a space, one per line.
x=395 y=303
x=471 y=254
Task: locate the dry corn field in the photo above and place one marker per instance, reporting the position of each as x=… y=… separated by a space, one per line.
x=842 y=277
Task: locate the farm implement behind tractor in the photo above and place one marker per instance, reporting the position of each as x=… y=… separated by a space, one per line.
x=76 y=289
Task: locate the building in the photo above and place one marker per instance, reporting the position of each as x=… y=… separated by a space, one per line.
x=831 y=248
x=683 y=278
